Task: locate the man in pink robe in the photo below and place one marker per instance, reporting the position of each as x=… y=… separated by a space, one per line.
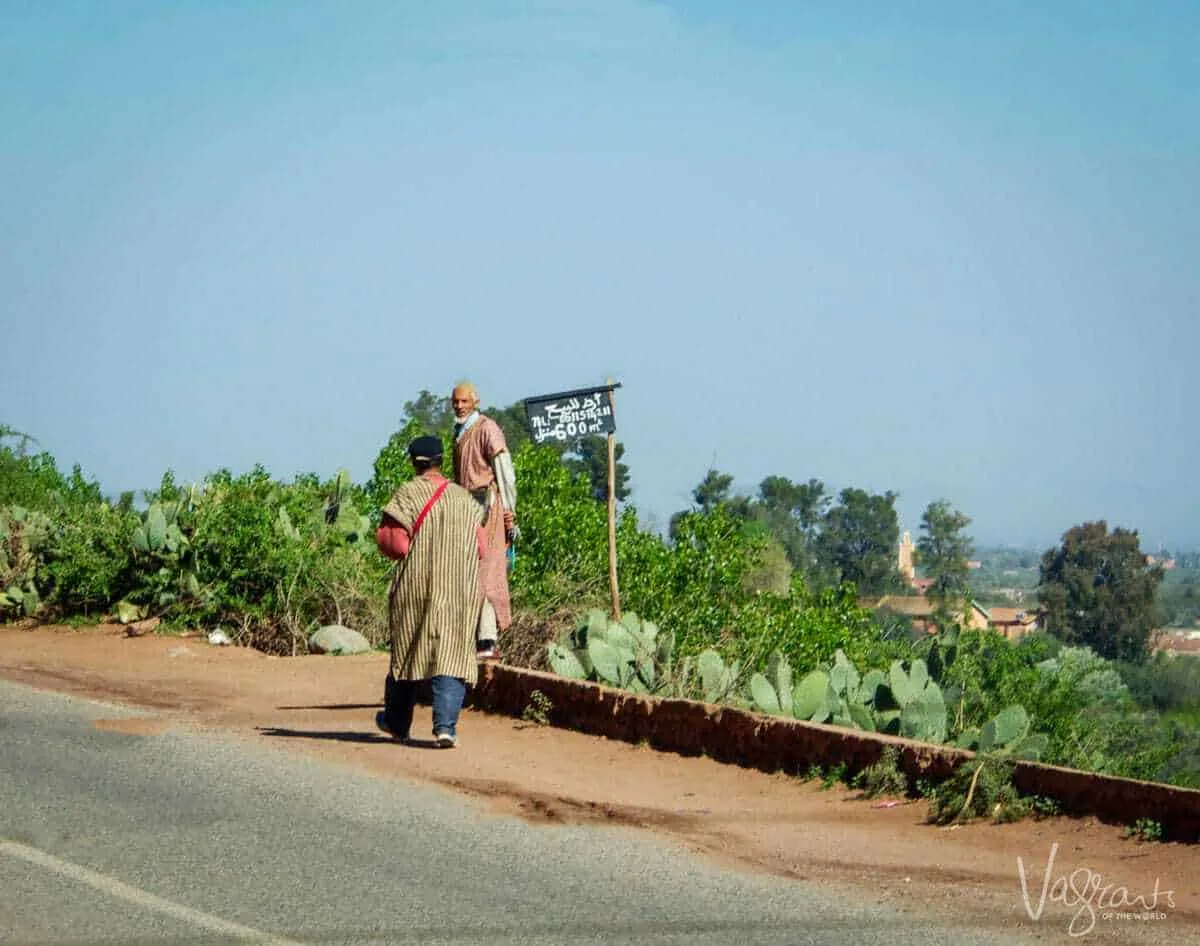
x=483 y=466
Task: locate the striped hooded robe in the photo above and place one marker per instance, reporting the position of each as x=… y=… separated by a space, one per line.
x=434 y=600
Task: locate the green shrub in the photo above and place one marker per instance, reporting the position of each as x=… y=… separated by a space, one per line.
x=1145 y=829
x=980 y=788
x=1164 y=683
x=884 y=777
x=538 y=709
x=90 y=566
x=34 y=481
x=562 y=551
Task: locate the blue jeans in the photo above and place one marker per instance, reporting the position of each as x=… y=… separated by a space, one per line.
x=400 y=696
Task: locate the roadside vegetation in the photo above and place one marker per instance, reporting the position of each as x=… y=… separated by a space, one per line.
x=750 y=600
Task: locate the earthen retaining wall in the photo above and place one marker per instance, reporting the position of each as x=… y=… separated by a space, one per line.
x=772 y=743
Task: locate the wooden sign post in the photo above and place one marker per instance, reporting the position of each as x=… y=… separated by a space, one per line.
x=572 y=415
x=613 y=588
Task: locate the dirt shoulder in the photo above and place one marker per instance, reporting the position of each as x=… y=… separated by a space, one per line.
x=325 y=706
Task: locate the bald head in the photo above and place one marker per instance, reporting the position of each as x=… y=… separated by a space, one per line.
x=464 y=399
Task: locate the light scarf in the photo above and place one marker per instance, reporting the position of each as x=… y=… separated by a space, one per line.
x=463 y=426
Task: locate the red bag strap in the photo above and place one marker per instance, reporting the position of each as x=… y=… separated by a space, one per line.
x=437 y=494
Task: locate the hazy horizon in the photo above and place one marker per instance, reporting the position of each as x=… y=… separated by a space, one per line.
x=941 y=251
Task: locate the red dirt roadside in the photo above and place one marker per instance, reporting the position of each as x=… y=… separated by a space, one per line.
x=325 y=706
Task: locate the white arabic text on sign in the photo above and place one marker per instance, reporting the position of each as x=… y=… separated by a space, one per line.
x=569 y=416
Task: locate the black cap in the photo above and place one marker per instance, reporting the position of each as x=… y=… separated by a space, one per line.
x=425 y=448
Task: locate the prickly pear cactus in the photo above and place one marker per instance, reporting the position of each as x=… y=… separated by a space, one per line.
x=843 y=676
x=771 y=692
x=925 y=716
x=907 y=685
x=717 y=680
x=594 y=623
x=811 y=697
x=779 y=673
x=764 y=697
x=631 y=654
x=564 y=662
x=861 y=717
x=922 y=706
x=873 y=689
x=1004 y=729
x=23 y=602
x=24 y=540
x=606 y=660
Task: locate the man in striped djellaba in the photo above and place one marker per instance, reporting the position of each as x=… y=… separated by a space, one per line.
x=433 y=529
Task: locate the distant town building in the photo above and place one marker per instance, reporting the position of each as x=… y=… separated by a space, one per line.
x=1176 y=642
x=919 y=610
x=1012 y=622
x=906 y=565
x=906 y=561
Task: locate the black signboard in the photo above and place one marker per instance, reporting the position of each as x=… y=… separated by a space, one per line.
x=571 y=414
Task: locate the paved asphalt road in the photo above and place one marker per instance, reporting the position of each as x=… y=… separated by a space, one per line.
x=188 y=839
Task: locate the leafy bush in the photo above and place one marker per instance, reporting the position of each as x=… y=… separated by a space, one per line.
x=562 y=549
x=90 y=566
x=1164 y=683
x=884 y=777
x=47 y=518
x=34 y=481
x=280 y=560
x=980 y=788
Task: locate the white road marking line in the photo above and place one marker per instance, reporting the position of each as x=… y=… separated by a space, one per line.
x=142 y=898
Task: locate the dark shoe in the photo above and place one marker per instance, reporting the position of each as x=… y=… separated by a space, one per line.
x=487 y=650
x=382 y=725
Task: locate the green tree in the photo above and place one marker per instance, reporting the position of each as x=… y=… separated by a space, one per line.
x=715 y=492
x=858 y=541
x=589 y=456
x=712 y=491
x=807 y=502
x=1179 y=598
x=1098 y=591
x=792 y=513
x=432 y=414
x=944 y=548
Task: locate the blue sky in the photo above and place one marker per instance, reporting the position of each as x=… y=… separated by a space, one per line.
x=943 y=249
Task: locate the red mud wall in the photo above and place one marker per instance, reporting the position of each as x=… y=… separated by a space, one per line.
x=774 y=744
